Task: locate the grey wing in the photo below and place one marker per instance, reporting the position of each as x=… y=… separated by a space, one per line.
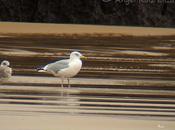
x=2 y=72
x=8 y=71
x=5 y=72
x=58 y=65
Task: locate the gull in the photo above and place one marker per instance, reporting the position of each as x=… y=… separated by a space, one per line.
x=66 y=68
x=5 y=70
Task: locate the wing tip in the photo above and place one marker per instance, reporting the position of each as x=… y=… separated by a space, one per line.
x=40 y=70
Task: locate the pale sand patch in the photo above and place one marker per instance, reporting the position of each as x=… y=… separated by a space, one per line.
x=89 y=81
x=17 y=52
x=143 y=53
x=24 y=53
x=171 y=65
x=40 y=28
x=163 y=48
x=36 y=121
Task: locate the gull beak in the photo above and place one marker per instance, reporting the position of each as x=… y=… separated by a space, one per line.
x=83 y=57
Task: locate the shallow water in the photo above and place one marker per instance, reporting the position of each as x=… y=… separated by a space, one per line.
x=124 y=76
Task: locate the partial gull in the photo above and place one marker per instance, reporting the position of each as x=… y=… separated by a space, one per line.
x=66 y=68
x=5 y=71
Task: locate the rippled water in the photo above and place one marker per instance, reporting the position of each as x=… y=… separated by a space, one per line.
x=122 y=76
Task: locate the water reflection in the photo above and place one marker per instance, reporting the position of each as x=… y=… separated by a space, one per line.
x=85 y=101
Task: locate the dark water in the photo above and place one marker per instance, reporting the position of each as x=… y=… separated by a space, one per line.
x=143 y=68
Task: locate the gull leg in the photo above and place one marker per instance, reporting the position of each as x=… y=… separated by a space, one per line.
x=62 y=82
x=68 y=80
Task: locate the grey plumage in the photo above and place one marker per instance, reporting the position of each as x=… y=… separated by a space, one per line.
x=64 y=68
x=5 y=71
x=57 y=66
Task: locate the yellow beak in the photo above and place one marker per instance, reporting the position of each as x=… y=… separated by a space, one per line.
x=83 y=57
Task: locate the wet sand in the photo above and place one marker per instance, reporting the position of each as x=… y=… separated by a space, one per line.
x=127 y=82
x=89 y=81
x=71 y=122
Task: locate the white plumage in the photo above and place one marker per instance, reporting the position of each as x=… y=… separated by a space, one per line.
x=65 y=68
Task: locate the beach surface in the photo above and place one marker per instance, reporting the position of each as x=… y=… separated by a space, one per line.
x=57 y=29
x=71 y=122
x=126 y=83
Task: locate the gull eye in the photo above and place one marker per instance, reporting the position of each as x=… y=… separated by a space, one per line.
x=76 y=54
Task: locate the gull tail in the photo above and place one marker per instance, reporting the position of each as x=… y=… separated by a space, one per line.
x=41 y=69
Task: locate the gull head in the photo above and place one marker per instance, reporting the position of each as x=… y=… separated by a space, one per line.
x=76 y=55
x=5 y=63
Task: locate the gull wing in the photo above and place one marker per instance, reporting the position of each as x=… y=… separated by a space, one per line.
x=57 y=66
x=5 y=72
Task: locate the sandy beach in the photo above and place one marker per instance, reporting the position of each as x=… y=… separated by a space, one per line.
x=41 y=122
x=69 y=29
x=126 y=83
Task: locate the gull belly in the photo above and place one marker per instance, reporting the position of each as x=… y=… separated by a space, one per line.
x=72 y=70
